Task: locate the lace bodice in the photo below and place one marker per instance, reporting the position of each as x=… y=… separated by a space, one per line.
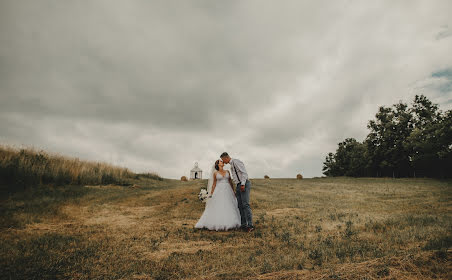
x=224 y=178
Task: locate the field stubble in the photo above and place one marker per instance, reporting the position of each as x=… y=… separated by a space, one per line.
x=338 y=228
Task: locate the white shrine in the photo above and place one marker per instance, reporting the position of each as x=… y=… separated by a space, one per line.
x=196 y=172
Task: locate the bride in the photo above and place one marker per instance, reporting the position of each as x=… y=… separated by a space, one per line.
x=221 y=212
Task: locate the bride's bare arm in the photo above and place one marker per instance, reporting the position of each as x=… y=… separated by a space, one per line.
x=214 y=184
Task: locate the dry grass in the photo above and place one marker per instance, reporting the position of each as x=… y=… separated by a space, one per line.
x=337 y=228
x=29 y=167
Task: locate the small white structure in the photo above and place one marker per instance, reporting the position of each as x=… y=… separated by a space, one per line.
x=196 y=172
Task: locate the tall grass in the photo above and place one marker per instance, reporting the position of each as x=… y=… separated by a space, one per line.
x=29 y=167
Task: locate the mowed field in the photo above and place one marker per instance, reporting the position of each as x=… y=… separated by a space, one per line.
x=325 y=228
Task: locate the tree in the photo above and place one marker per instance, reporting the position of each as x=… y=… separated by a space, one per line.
x=402 y=142
x=444 y=140
x=380 y=141
x=349 y=160
x=422 y=142
x=329 y=166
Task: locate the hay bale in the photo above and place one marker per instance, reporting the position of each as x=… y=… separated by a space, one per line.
x=299 y=176
x=183 y=179
x=266 y=177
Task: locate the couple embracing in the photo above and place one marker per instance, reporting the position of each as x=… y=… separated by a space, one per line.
x=227 y=207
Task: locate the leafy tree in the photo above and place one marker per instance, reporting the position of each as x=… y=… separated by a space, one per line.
x=380 y=141
x=349 y=160
x=329 y=166
x=422 y=141
x=402 y=142
x=444 y=140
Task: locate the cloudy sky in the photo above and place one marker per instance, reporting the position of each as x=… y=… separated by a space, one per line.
x=158 y=85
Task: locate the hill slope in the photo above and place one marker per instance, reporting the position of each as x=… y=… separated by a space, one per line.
x=25 y=168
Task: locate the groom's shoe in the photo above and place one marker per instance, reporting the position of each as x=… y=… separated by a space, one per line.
x=250 y=229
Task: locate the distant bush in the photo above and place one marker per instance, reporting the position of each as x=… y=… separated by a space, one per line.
x=299 y=176
x=28 y=167
x=266 y=177
x=183 y=178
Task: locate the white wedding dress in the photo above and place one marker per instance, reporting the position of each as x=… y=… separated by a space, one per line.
x=221 y=212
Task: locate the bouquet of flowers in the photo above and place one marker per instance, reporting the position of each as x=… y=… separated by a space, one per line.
x=203 y=194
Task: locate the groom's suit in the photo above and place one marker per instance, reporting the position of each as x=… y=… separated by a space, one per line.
x=240 y=178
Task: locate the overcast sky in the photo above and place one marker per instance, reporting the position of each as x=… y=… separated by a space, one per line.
x=158 y=85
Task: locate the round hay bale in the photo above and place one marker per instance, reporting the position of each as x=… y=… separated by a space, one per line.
x=183 y=178
x=299 y=176
x=266 y=177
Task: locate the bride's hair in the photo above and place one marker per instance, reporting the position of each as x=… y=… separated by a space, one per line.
x=216 y=165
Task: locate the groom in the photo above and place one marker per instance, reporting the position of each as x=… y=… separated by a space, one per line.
x=242 y=193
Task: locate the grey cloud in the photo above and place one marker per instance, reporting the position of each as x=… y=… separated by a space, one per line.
x=158 y=85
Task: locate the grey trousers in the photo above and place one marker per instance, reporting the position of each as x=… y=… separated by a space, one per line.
x=243 y=199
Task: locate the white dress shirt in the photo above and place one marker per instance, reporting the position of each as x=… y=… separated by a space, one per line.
x=238 y=168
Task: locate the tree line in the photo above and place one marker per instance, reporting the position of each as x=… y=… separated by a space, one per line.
x=404 y=141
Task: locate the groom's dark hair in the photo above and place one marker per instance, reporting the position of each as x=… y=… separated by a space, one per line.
x=224 y=155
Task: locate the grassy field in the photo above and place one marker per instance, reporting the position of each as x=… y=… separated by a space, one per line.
x=338 y=228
